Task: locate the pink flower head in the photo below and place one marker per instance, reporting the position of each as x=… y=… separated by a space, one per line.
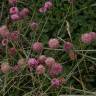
x=12 y=1
x=93 y=34
x=42 y=10
x=24 y=12
x=55 y=83
x=42 y=59
x=12 y=51
x=4 y=42
x=14 y=35
x=56 y=69
x=15 y=17
x=34 y=25
x=53 y=43
x=13 y=10
x=86 y=38
x=37 y=47
x=40 y=69
x=48 y=5
x=5 y=67
x=4 y=32
x=50 y=61
x=21 y=62
x=68 y=46
x=32 y=63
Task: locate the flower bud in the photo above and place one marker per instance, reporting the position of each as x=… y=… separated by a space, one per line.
x=53 y=43
x=15 y=17
x=48 y=5
x=86 y=38
x=55 y=83
x=21 y=62
x=56 y=69
x=40 y=69
x=68 y=46
x=42 y=59
x=13 y=10
x=37 y=47
x=4 y=32
x=5 y=67
x=50 y=61
x=32 y=63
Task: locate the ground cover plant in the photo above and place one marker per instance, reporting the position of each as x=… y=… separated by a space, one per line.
x=47 y=47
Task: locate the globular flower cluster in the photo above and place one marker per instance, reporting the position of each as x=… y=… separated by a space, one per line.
x=34 y=25
x=4 y=32
x=53 y=43
x=5 y=67
x=50 y=61
x=88 y=38
x=42 y=59
x=22 y=62
x=48 y=5
x=40 y=69
x=14 y=10
x=56 y=69
x=55 y=82
x=68 y=46
x=32 y=63
x=37 y=47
